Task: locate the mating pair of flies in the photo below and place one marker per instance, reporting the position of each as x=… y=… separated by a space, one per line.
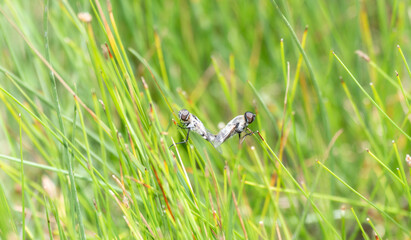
x=237 y=125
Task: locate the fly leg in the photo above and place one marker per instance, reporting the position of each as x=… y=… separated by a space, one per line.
x=188 y=134
x=250 y=132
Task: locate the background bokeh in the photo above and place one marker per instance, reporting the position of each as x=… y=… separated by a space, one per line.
x=146 y=60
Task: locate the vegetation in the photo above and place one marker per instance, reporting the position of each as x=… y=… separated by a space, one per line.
x=89 y=109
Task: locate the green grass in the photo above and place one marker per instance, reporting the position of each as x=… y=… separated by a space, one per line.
x=88 y=111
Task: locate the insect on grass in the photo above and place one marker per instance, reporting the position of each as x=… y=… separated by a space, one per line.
x=237 y=125
x=192 y=123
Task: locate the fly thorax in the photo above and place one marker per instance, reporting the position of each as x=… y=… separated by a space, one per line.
x=241 y=127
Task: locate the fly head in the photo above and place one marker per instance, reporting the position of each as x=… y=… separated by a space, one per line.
x=249 y=117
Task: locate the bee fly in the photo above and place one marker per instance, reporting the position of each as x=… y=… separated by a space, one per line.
x=192 y=123
x=237 y=125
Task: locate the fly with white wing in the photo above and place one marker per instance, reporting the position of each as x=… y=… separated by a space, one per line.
x=192 y=123
x=237 y=125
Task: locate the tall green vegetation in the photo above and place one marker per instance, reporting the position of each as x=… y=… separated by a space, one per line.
x=89 y=108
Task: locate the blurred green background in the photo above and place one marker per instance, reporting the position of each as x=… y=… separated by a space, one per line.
x=146 y=60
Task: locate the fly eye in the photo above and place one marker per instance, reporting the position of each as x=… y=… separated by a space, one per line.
x=249 y=117
x=184 y=114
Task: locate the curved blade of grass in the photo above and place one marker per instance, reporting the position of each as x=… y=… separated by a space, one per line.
x=385 y=166
x=307 y=195
x=223 y=83
x=154 y=75
x=404 y=94
x=377 y=235
x=402 y=174
x=310 y=69
x=74 y=202
x=23 y=211
x=404 y=229
x=405 y=62
x=18 y=82
x=370 y=98
x=359 y=224
x=260 y=99
x=56 y=134
x=45 y=62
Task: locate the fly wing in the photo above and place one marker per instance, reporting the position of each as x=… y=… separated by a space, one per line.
x=224 y=134
x=199 y=128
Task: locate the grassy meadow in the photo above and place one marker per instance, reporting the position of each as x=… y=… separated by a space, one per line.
x=89 y=99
